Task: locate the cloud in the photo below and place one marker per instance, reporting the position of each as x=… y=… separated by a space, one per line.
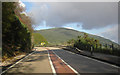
x=21 y=4
x=69 y=27
x=111 y=33
x=78 y=25
x=90 y=14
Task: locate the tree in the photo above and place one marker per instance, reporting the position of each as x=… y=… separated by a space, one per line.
x=100 y=46
x=71 y=42
x=15 y=33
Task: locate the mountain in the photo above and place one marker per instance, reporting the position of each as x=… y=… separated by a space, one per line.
x=61 y=35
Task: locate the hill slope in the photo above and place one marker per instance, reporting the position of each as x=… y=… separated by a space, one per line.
x=38 y=38
x=61 y=35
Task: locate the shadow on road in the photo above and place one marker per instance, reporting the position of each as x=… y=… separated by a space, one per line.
x=29 y=64
x=38 y=56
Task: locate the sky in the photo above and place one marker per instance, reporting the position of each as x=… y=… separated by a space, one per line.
x=98 y=18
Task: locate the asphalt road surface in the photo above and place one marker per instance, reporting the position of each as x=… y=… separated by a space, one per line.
x=84 y=64
x=39 y=62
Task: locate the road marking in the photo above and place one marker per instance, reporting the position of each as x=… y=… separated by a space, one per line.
x=53 y=69
x=97 y=60
x=66 y=64
x=71 y=52
x=16 y=63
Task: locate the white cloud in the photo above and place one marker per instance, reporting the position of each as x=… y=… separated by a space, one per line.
x=111 y=33
x=21 y=4
x=69 y=27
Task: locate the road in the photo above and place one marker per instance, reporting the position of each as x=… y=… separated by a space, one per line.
x=50 y=59
x=84 y=64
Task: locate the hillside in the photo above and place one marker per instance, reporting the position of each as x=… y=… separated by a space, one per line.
x=61 y=35
x=38 y=38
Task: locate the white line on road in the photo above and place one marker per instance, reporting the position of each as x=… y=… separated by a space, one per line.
x=71 y=52
x=16 y=63
x=97 y=60
x=53 y=69
x=66 y=64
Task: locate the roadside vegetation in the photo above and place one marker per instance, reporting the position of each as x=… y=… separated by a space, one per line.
x=16 y=30
x=87 y=43
x=39 y=40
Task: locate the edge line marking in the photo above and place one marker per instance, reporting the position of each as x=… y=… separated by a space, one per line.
x=16 y=63
x=100 y=61
x=66 y=63
x=96 y=60
x=52 y=67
